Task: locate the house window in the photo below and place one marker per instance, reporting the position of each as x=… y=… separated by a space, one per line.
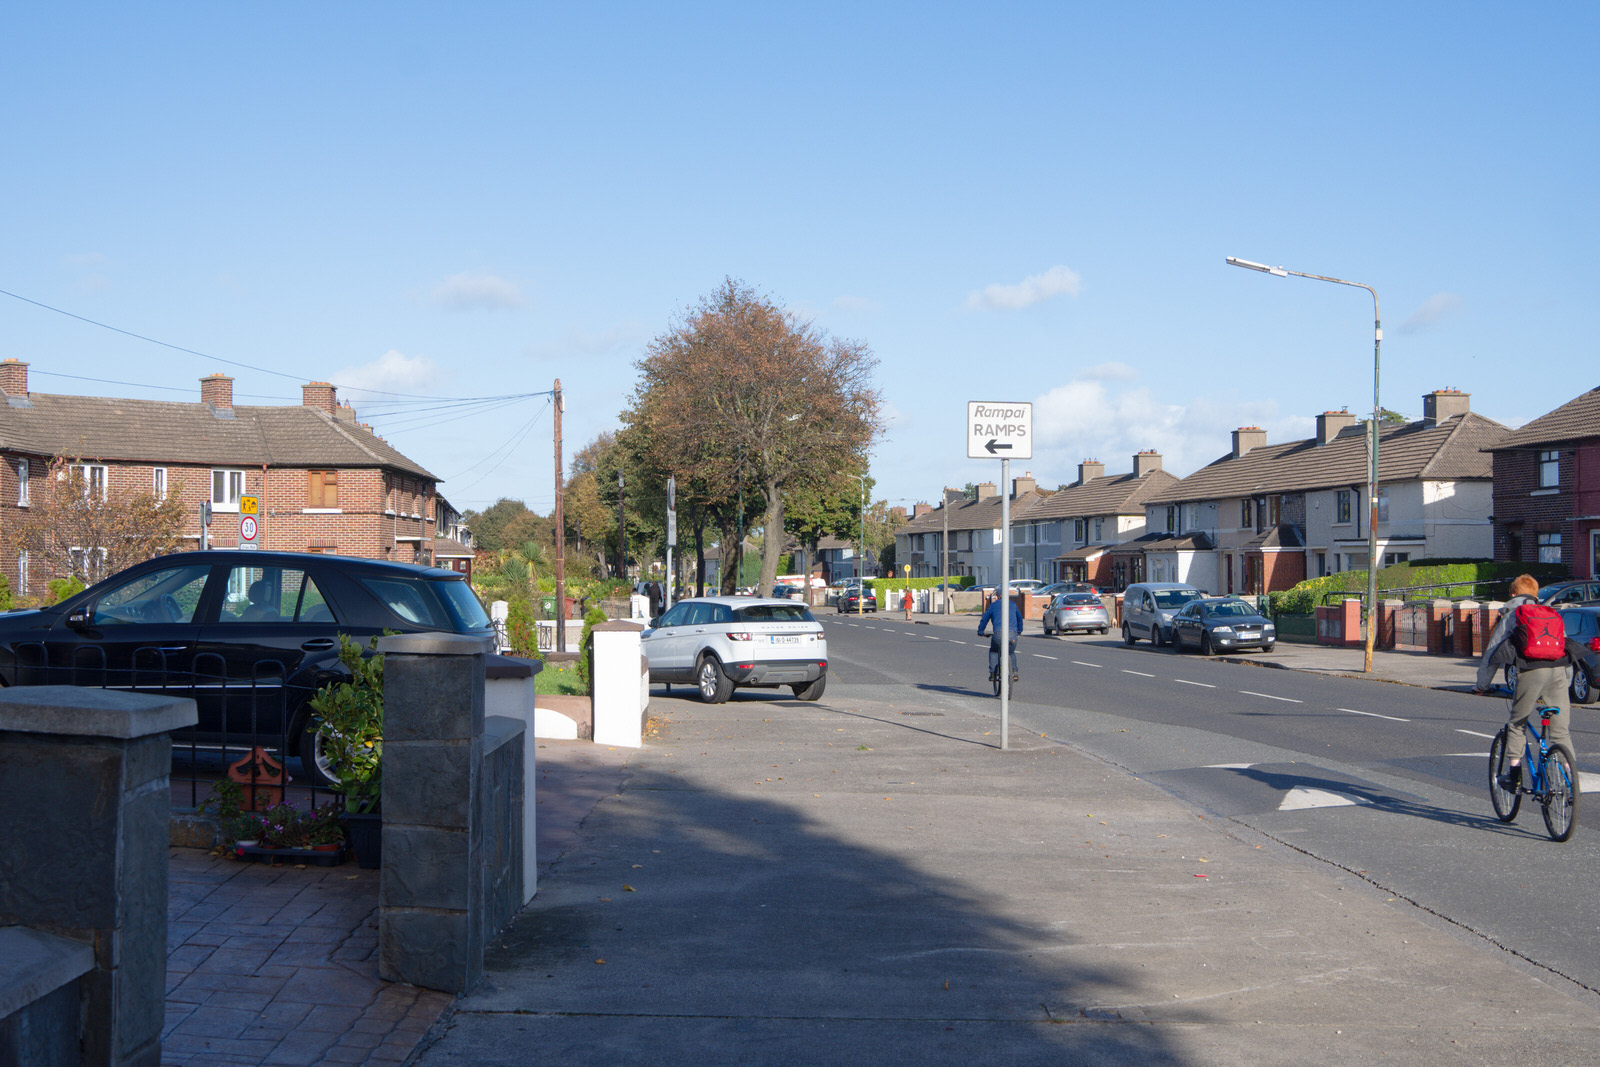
x=1247 y=518
x=322 y=489
x=1549 y=469
x=1172 y=518
x=158 y=482
x=1322 y=564
x=1341 y=506
x=1191 y=517
x=22 y=483
x=1098 y=530
x=94 y=479
x=22 y=572
x=1391 y=558
x=1079 y=530
x=1383 y=505
x=88 y=564
x=1550 y=548
x=1274 y=509
x=226 y=489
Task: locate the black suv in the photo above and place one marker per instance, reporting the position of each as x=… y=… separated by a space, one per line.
x=250 y=636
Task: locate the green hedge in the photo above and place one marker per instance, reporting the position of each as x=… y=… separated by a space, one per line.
x=1432 y=574
x=898 y=585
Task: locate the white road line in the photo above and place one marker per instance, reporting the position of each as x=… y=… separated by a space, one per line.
x=1080 y=663
x=1269 y=696
x=1036 y=655
x=930 y=637
x=1139 y=673
x=1474 y=733
x=1372 y=714
x=1185 y=681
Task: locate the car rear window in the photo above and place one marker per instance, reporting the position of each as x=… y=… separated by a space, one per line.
x=462 y=605
x=1079 y=598
x=775 y=613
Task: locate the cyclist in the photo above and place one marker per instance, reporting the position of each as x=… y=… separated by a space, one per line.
x=991 y=617
x=1540 y=683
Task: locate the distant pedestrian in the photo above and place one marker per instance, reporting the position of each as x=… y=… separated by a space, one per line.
x=905 y=602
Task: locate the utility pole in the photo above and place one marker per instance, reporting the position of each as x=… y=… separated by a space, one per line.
x=622 y=535
x=561 y=535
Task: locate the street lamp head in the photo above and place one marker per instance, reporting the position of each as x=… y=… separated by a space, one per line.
x=1234 y=261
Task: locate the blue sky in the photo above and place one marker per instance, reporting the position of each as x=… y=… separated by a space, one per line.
x=1014 y=202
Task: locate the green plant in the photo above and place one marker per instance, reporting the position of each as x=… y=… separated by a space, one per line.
x=558 y=680
x=284 y=826
x=324 y=826
x=225 y=801
x=521 y=630
x=245 y=826
x=61 y=588
x=349 y=718
x=591 y=618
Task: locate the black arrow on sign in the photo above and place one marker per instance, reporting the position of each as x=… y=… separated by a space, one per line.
x=993 y=446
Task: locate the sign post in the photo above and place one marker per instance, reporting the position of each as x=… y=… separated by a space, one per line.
x=248 y=527
x=672 y=534
x=1003 y=430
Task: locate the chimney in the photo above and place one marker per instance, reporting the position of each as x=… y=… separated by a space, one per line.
x=987 y=490
x=14 y=377
x=1145 y=462
x=1089 y=470
x=216 y=390
x=953 y=496
x=1330 y=423
x=1441 y=405
x=1247 y=437
x=921 y=507
x=319 y=395
x=1023 y=485
x=897 y=515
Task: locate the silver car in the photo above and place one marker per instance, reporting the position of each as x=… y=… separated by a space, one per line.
x=1076 y=611
x=717 y=643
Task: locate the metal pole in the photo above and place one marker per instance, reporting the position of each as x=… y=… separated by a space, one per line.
x=561 y=535
x=861 y=554
x=1005 y=603
x=944 y=551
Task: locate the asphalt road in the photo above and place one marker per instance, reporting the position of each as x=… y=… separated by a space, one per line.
x=1385 y=781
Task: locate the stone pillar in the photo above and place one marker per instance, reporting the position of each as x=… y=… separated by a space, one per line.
x=1484 y=619
x=431 y=928
x=508 y=691
x=83 y=853
x=619 y=710
x=1388 y=632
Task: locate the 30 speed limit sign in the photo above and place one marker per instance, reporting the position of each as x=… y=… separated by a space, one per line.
x=247 y=531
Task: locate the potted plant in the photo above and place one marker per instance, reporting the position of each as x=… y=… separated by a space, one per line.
x=349 y=719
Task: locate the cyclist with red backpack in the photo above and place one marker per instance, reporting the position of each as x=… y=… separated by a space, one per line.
x=1531 y=635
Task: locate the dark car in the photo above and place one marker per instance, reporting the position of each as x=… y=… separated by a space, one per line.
x=1582 y=625
x=250 y=636
x=853 y=599
x=1221 y=624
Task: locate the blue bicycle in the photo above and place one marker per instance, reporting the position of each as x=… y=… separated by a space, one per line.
x=1548 y=776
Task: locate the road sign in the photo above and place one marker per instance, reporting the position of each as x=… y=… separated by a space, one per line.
x=999 y=430
x=247 y=505
x=248 y=530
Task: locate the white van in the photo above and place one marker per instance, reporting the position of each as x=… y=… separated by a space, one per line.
x=1148 y=607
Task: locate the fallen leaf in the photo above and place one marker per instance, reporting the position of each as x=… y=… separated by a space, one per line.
x=628 y=889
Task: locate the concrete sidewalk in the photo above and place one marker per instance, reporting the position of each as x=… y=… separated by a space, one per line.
x=870 y=880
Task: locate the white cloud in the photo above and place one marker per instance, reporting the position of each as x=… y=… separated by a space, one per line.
x=1428 y=315
x=476 y=291
x=1031 y=290
x=392 y=372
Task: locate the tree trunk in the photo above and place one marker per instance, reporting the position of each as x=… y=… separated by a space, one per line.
x=772 y=541
x=728 y=530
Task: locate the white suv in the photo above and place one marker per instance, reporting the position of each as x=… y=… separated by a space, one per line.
x=717 y=643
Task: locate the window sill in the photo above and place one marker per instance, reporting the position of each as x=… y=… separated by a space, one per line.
x=1546 y=492
x=322 y=511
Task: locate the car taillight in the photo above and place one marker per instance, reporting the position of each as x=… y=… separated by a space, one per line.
x=1594 y=644
x=738 y=637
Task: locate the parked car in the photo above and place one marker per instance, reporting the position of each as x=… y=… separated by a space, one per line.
x=250 y=636
x=1582 y=624
x=1076 y=611
x=718 y=644
x=788 y=592
x=1559 y=594
x=853 y=599
x=1056 y=588
x=1221 y=624
x=1148 y=607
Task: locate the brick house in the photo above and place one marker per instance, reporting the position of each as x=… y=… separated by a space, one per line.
x=1077 y=531
x=1547 y=489
x=324 y=482
x=1265 y=517
x=972 y=527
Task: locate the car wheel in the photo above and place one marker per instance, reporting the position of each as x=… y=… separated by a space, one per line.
x=1127 y=635
x=715 y=687
x=1104 y=630
x=314 y=761
x=1268 y=646
x=1511 y=677
x=1582 y=691
x=1205 y=645
x=1155 y=635
x=810 y=690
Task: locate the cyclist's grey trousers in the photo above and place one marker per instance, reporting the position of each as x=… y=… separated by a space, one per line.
x=994 y=651
x=1542 y=687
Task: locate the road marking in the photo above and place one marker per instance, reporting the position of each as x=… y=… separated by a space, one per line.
x=1474 y=733
x=1269 y=696
x=1371 y=714
x=1185 y=681
x=1299 y=799
x=930 y=637
x=1080 y=663
x=1139 y=673
x=1037 y=655
x=1229 y=766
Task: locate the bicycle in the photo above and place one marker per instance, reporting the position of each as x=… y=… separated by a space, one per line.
x=994 y=671
x=1551 y=778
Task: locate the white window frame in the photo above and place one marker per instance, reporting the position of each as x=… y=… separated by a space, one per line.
x=93 y=474
x=22 y=483
x=22 y=572
x=158 y=482
x=92 y=573
x=1099 y=530
x=1549 y=547
x=232 y=483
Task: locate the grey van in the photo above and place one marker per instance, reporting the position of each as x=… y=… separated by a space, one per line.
x=1148 y=607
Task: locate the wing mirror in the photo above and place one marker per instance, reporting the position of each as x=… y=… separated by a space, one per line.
x=78 y=619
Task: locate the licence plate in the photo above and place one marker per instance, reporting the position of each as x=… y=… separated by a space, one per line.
x=784 y=640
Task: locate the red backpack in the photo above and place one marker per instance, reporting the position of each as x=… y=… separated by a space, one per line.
x=1539 y=633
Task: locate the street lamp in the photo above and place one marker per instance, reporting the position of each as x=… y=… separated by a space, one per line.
x=1372 y=442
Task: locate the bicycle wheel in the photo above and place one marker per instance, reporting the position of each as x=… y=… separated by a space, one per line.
x=1560 y=799
x=994 y=677
x=1505 y=801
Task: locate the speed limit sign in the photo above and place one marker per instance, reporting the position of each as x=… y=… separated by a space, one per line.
x=247 y=531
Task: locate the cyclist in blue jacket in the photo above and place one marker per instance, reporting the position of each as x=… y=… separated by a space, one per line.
x=991 y=617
